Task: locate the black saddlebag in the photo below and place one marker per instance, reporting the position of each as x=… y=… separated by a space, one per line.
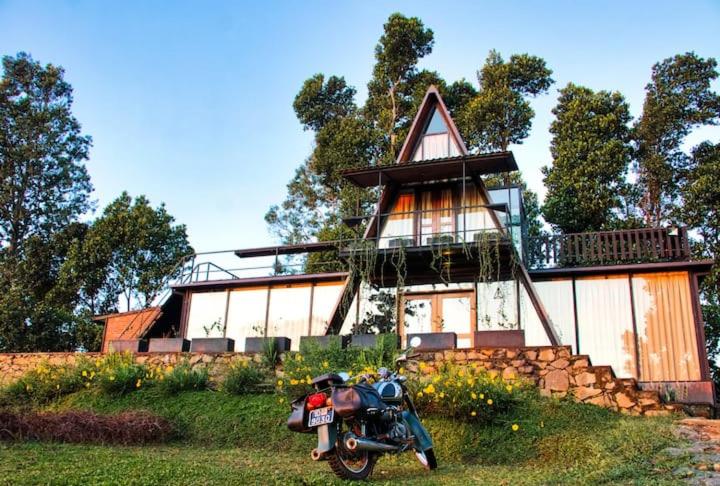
x=355 y=400
x=297 y=422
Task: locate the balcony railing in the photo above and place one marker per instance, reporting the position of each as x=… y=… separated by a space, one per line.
x=609 y=248
x=429 y=227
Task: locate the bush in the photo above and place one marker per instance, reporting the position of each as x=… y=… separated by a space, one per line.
x=242 y=378
x=119 y=374
x=300 y=368
x=468 y=393
x=182 y=378
x=43 y=383
x=86 y=427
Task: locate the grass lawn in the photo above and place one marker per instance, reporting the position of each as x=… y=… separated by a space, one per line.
x=227 y=439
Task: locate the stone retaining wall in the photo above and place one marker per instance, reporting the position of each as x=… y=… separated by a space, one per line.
x=557 y=373
x=554 y=370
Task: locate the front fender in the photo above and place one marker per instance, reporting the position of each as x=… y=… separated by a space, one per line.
x=423 y=441
x=327 y=436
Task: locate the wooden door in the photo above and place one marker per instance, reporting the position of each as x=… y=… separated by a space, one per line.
x=454 y=311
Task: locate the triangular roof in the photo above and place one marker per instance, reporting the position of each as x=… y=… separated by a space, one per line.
x=431 y=104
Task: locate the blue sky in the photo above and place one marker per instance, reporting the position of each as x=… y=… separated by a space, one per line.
x=190 y=103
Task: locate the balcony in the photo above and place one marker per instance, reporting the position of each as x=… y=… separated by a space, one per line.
x=648 y=245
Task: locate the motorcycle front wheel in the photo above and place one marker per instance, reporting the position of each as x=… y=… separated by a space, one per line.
x=351 y=465
x=427 y=458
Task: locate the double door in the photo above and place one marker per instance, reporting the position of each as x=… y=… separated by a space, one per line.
x=454 y=311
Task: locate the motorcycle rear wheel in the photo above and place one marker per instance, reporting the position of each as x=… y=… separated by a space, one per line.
x=427 y=459
x=351 y=465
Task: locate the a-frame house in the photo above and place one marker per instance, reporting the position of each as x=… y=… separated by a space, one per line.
x=435 y=208
x=457 y=259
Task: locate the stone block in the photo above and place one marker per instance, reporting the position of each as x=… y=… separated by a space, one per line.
x=547 y=354
x=557 y=380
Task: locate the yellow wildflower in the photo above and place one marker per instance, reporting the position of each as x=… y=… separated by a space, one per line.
x=87 y=385
x=489 y=402
x=430 y=389
x=325 y=364
x=473 y=413
x=470 y=382
x=420 y=394
x=57 y=387
x=281 y=400
x=279 y=383
x=293 y=382
x=112 y=378
x=509 y=388
x=402 y=371
x=84 y=372
x=482 y=396
x=474 y=395
x=92 y=375
x=138 y=384
x=28 y=387
x=436 y=379
x=442 y=395
x=308 y=379
x=515 y=427
x=542 y=424
x=461 y=373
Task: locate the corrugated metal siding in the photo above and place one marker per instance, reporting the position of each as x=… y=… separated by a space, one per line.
x=128 y=325
x=605 y=322
x=205 y=309
x=246 y=315
x=665 y=325
x=557 y=297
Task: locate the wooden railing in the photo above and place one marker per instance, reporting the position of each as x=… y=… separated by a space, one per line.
x=609 y=248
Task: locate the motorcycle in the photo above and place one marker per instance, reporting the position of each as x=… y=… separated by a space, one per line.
x=356 y=424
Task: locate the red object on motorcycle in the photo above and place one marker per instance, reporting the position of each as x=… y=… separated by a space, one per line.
x=316 y=400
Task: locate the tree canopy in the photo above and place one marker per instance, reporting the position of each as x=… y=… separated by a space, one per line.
x=678 y=99
x=591 y=154
x=499 y=114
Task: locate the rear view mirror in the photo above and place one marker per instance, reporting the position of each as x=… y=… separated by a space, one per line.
x=416 y=341
x=345 y=376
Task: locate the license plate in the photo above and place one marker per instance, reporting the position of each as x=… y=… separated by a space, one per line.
x=321 y=416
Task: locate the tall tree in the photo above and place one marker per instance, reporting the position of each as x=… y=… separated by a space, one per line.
x=591 y=154
x=700 y=193
x=678 y=99
x=44 y=187
x=390 y=102
x=500 y=113
x=320 y=101
x=136 y=246
x=44 y=184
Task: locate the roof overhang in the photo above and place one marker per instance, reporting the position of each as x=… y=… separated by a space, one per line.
x=270 y=280
x=433 y=170
x=696 y=266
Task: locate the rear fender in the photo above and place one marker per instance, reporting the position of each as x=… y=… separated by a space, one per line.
x=327 y=436
x=423 y=441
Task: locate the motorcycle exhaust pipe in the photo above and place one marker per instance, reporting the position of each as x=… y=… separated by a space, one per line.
x=354 y=443
x=316 y=455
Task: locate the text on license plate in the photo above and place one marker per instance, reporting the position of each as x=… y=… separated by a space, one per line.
x=321 y=416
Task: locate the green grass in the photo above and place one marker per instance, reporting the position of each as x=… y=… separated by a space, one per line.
x=228 y=439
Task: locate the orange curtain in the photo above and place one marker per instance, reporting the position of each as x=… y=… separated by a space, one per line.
x=403 y=207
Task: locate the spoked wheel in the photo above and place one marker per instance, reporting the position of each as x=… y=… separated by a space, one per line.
x=427 y=459
x=351 y=465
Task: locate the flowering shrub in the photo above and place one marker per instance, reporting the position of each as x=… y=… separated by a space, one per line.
x=243 y=377
x=299 y=369
x=43 y=383
x=468 y=393
x=118 y=374
x=174 y=379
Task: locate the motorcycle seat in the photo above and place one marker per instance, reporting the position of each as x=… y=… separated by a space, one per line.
x=330 y=378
